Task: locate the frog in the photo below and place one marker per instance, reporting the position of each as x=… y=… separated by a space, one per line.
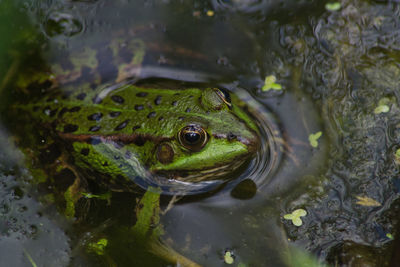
x=126 y=131
x=95 y=118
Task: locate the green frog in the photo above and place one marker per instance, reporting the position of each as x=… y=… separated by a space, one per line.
x=98 y=122
x=127 y=131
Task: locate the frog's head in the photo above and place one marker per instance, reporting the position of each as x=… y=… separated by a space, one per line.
x=210 y=142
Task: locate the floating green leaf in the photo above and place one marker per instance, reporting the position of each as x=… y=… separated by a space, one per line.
x=228 y=257
x=383 y=105
x=210 y=13
x=295 y=216
x=313 y=139
x=333 y=6
x=381 y=109
x=270 y=84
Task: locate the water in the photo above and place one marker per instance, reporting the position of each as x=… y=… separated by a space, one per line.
x=335 y=67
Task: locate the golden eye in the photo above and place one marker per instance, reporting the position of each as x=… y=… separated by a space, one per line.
x=224 y=95
x=193 y=137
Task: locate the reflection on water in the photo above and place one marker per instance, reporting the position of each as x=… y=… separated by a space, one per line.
x=336 y=68
x=25 y=230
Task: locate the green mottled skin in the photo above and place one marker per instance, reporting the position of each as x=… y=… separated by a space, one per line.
x=152 y=116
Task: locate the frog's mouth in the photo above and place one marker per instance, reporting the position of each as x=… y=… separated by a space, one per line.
x=221 y=172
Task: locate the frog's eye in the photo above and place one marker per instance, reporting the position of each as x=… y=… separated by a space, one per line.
x=193 y=137
x=224 y=95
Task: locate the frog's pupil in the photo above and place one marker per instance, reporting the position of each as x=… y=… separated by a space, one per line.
x=192 y=137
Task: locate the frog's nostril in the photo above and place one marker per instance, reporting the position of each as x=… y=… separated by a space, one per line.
x=231 y=136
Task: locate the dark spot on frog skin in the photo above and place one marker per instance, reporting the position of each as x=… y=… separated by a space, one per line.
x=95 y=116
x=62 y=112
x=181 y=118
x=94 y=128
x=141 y=94
x=70 y=128
x=118 y=99
x=122 y=125
x=139 y=141
x=231 y=136
x=95 y=140
x=174 y=103
x=53 y=112
x=85 y=151
x=114 y=114
x=151 y=115
x=66 y=94
x=81 y=96
x=139 y=107
x=75 y=109
x=46 y=84
x=134 y=128
x=165 y=153
x=161 y=118
x=105 y=164
x=188 y=110
x=158 y=99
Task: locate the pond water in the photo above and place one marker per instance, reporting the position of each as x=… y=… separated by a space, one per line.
x=336 y=78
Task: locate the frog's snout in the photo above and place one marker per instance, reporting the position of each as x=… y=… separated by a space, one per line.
x=252 y=141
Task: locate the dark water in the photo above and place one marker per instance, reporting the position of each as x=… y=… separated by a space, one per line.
x=335 y=67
